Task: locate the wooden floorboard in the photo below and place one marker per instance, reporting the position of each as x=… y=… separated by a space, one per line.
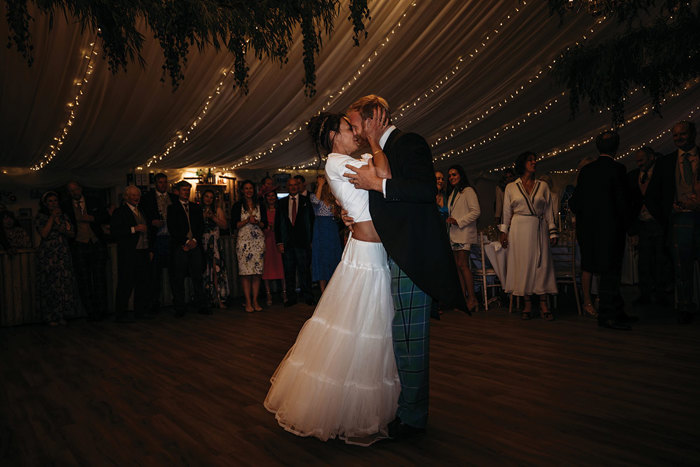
x=189 y=391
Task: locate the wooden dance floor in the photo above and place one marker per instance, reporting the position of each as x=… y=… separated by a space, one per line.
x=503 y=391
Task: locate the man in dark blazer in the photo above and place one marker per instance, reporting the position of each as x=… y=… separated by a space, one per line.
x=293 y=229
x=155 y=206
x=679 y=173
x=602 y=207
x=186 y=227
x=647 y=227
x=129 y=228
x=88 y=249
x=421 y=261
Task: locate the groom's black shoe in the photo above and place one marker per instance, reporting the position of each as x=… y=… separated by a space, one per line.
x=399 y=430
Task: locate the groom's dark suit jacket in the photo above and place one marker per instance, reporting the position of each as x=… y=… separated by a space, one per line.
x=408 y=221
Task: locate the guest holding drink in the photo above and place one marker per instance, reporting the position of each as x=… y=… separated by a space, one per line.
x=527 y=231
x=250 y=218
x=56 y=285
x=215 y=278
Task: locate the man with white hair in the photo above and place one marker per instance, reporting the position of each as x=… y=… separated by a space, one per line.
x=134 y=253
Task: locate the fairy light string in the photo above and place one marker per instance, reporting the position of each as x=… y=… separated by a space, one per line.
x=332 y=98
x=88 y=66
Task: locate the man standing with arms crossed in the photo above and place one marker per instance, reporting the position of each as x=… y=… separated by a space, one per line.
x=421 y=261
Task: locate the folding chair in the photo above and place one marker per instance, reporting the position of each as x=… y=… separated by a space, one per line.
x=565 y=271
x=483 y=271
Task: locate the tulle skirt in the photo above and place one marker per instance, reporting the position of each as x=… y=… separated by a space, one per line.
x=339 y=379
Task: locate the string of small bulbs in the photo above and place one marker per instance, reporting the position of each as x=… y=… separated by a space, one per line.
x=79 y=84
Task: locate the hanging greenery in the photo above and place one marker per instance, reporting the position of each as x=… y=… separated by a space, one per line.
x=265 y=27
x=659 y=51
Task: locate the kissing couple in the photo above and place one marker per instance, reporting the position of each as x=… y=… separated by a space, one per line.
x=358 y=370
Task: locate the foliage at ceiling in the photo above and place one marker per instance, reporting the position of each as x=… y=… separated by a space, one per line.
x=659 y=51
x=265 y=27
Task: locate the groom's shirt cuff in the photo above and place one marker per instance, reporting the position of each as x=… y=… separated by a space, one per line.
x=384 y=187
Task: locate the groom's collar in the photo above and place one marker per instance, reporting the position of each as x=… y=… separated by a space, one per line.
x=385 y=136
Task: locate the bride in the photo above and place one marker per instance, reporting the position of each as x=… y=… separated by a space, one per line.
x=339 y=379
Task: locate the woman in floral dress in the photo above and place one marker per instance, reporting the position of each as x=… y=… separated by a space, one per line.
x=250 y=218
x=215 y=278
x=57 y=299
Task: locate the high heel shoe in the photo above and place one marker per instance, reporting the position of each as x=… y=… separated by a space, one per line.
x=473 y=308
x=590 y=311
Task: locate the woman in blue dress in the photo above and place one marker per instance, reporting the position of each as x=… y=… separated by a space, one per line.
x=325 y=245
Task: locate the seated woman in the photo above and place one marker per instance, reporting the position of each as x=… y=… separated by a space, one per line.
x=16 y=236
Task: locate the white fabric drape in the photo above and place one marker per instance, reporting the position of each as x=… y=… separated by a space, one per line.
x=125 y=119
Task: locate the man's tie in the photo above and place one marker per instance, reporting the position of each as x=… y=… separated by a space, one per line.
x=186 y=206
x=687 y=167
x=645 y=176
x=294 y=209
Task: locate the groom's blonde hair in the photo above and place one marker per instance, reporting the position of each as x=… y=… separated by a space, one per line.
x=366 y=105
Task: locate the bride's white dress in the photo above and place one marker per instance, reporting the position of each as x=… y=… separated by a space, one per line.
x=339 y=379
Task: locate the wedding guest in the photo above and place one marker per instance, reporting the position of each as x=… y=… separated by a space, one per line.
x=527 y=231
x=154 y=205
x=325 y=245
x=464 y=211
x=587 y=279
x=293 y=229
x=16 y=236
x=273 y=268
x=215 y=277
x=302 y=185
x=129 y=226
x=441 y=196
x=89 y=249
x=679 y=173
x=186 y=226
x=507 y=177
x=646 y=231
x=602 y=208
x=56 y=282
x=250 y=218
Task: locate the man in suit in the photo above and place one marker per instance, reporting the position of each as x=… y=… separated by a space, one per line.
x=88 y=249
x=130 y=230
x=421 y=260
x=154 y=205
x=302 y=185
x=679 y=173
x=647 y=228
x=602 y=207
x=185 y=222
x=293 y=228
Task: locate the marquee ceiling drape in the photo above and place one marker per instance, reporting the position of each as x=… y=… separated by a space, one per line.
x=440 y=64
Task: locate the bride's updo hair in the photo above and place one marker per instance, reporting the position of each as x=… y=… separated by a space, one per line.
x=320 y=128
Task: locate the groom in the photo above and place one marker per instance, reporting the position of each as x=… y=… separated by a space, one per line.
x=422 y=265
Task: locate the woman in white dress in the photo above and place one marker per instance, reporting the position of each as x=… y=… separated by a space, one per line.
x=339 y=379
x=464 y=211
x=527 y=231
